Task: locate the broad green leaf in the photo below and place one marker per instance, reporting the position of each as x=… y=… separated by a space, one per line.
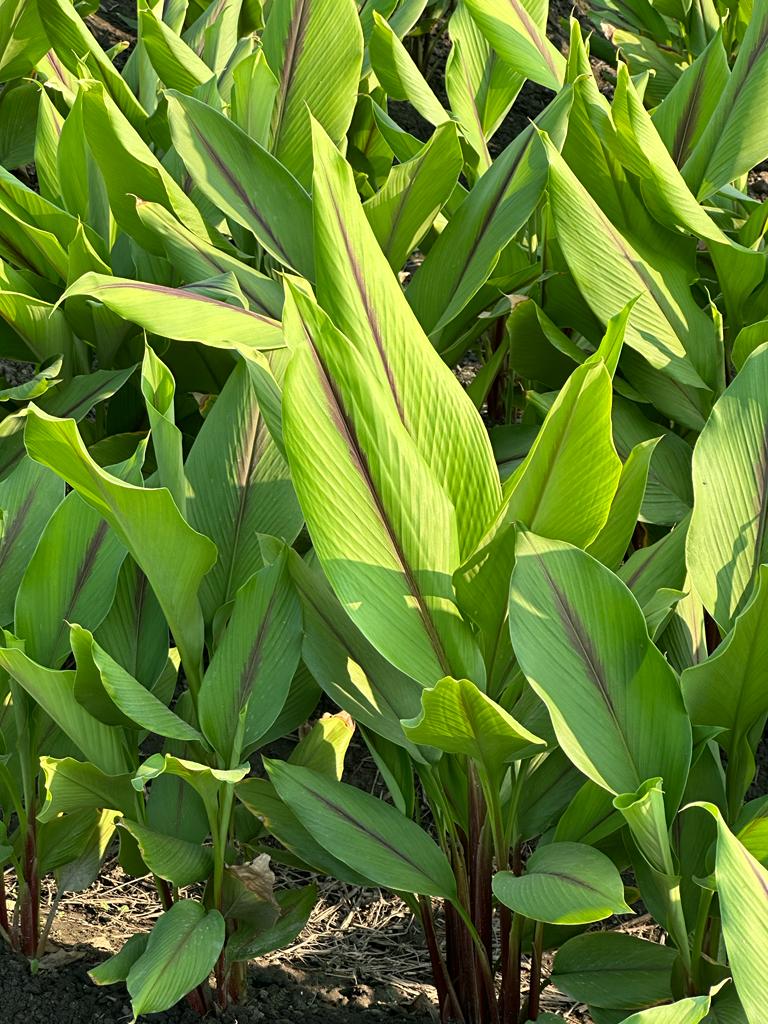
x=182 y=948
x=404 y=208
x=609 y=273
x=684 y=113
x=136 y=703
x=516 y=29
x=239 y=488
x=363 y=298
x=371 y=836
x=324 y=747
x=179 y=313
x=349 y=669
x=315 y=49
x=243 y=180
x=247 y=681
x=464 y=256
x=614 y=969
x=116 y=968
x=28 y=498
x=641 y=150
x=176 y=860
x=178 y=66
x=566 y=485
x=564 y=883
x=382 y=527
x=727 y=539
x=734 y=140
x=123 y=156
x=398 y=74
x=686 y=1011
x=258 y=796
x=134 y=631
x=22 y=39
x=72 y=785
x=171 y=554
x=196 y=259
x=616 y=708
x=75 y=47
x=730 y=689
x=459 y=718
x=87 y=557
x=479 y=84
x=54 y=691
x=742 y=887
x=41 y=326
x=206 y=781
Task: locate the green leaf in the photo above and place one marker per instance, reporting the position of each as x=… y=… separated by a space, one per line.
x=117 y=967
x=686 y=1011
x=54 y=691
x=239 y=488
x=158 y=388
x=616 y=708
x=382 y=527
x=356 y=287
x=516 y=29
x=742 y=887
x=464 y=256
x=178 y=861
x=404 y=208
x=181 y=951
x=246 y=684
x=243 y=180
x=179 y=313
x=459 y=718
x=611 y=543
x=371 y=836
x=177 y=65
x=734 y=140
x=87 y=556
x=315 y=49
x=139 y=706
x=727 y=539
x=614 y=969
x=172 y=555
x=206 y=781
x=398 y=74
x=123 y=156
x=564 y=883
x=730 y=690
x=72 y=785
x=295 y=905
x=609 y=273
x=28 y=498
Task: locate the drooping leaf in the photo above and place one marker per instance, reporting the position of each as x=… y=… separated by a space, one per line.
x=170 y=553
